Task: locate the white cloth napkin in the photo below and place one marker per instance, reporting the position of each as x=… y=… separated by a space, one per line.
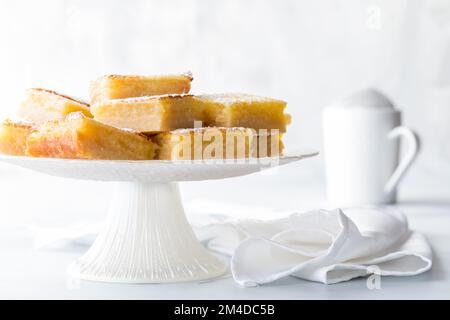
x=324 y=246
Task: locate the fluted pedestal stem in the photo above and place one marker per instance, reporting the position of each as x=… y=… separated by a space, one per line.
x=146 y=239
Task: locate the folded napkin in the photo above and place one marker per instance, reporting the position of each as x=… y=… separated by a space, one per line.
x=324 y=246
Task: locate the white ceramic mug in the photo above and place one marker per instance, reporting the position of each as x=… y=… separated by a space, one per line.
x=361 y=148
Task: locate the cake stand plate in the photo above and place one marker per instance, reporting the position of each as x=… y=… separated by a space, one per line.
x=147 y=238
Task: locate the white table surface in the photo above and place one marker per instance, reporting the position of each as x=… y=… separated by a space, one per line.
x=30 y=199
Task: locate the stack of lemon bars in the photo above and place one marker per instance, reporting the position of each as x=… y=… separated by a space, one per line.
x=145 y=118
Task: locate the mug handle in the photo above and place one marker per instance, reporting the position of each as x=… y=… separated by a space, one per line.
x=413 y=142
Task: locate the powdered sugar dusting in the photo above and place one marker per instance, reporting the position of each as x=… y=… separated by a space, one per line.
x=187 y=74
x=75 y=116
x=73 y=99
x=148 y=98
x=229 y=99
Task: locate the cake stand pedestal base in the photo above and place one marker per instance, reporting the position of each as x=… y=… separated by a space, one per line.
x=147 y=239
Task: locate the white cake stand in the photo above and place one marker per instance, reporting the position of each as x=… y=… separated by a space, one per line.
x=147 y=238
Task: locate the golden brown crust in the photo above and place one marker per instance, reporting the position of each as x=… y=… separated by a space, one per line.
x=61 y=95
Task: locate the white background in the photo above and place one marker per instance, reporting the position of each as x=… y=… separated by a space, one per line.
x=307 y=52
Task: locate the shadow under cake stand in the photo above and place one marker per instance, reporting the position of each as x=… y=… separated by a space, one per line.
x=147 y=238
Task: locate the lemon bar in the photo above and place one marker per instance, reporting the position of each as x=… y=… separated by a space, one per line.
x=41 y=105
x=171 y=112
x=13 y=137
x=79 y=137
x=151 y=114
x=245 y=110
x=121 y=86
x=216 y=143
